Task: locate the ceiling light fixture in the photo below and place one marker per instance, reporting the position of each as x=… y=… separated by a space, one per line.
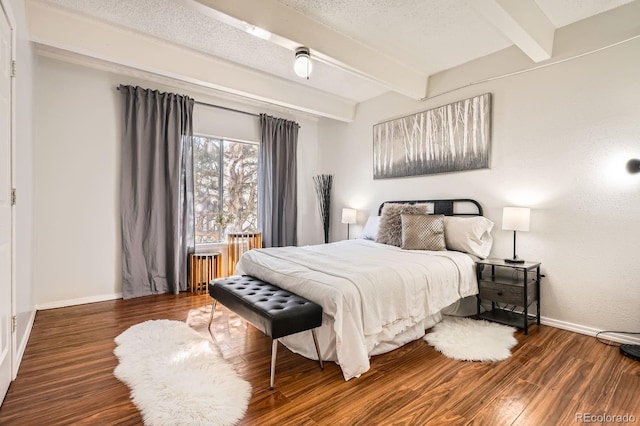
x=302 y=65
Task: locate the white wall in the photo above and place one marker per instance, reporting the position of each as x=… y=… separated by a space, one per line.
x=24 y=121
x=561 y=138
x=77 y=150
x=76 y=158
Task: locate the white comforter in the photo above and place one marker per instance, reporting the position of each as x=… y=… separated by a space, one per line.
x=370 y=292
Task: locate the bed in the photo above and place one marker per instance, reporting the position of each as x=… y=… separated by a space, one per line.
x=377 y=296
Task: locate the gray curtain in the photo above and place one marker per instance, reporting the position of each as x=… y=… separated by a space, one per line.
x=156 y=197
x=278 y=193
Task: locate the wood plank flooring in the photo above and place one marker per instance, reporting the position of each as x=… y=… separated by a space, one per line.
x=66 y=376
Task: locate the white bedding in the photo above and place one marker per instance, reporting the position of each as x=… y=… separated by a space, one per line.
x=374 y=296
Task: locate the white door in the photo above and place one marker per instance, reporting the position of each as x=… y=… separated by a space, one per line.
x=5 y=205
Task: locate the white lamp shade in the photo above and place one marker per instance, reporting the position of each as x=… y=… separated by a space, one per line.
x=302 y=65
x=348 y=216
x=515 y=218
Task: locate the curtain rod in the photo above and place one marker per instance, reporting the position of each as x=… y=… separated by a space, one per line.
x=217 y=106
x=226 y=108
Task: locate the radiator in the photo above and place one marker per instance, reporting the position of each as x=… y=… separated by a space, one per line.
x=238 y=243
x=204 y=268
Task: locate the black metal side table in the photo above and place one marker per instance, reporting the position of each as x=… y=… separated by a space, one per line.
x=512 y=288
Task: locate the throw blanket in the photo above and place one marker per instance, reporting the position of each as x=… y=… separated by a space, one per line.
x=370 y=291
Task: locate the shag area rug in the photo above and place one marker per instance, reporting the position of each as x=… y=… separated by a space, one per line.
x=178 y=377
x=467 y=339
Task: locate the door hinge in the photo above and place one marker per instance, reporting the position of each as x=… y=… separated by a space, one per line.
x=13 y=196
x=14 y=324
x=13 y=68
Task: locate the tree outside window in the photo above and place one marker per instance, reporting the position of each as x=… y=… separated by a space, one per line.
x=225 y=187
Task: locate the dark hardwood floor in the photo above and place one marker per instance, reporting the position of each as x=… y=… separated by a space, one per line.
x=66 y=376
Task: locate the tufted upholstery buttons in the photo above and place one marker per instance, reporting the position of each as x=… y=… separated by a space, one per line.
x=271 y=309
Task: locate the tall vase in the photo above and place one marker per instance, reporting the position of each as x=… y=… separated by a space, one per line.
x=323 y=191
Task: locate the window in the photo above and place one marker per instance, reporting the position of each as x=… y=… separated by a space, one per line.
x=225 y=187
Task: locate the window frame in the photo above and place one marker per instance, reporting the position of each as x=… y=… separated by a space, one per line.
x=203 y=247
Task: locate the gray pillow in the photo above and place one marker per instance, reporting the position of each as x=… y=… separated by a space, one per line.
x=421 y=232
x=390 y=229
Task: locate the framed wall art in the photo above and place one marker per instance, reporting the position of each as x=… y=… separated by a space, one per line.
x=450 y=138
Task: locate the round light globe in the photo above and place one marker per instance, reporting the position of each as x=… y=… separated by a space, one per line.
x=303 y=65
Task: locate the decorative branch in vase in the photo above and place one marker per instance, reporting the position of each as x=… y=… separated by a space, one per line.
x=323 y=191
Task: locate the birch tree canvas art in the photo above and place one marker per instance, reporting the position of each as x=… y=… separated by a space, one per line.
x=450 y=138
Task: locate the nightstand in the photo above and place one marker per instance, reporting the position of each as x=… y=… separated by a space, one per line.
x=511 y=288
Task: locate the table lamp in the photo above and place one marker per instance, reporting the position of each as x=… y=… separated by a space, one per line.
x=515 y=219
x=348 y=217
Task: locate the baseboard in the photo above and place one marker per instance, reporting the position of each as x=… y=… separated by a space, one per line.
x=80 y=301
x=589 y=331
x=23 y=344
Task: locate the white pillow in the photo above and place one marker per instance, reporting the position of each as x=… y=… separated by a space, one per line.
x=370 y=231
x=469 y=234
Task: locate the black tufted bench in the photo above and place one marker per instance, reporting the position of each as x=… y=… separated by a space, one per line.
x=272 y=310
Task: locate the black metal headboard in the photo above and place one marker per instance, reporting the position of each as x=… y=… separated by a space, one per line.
x=445 y=207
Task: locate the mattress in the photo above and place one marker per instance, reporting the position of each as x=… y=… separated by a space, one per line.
x=375 y=297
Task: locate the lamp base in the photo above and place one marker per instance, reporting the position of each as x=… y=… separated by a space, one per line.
x=631 y=351
x=514 y=260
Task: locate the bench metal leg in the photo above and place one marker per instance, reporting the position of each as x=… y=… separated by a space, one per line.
x=315 y=342
x=274 y=352
x=213 y=308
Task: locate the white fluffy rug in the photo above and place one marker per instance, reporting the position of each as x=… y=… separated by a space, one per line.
x=178 y=377
x=467 y=339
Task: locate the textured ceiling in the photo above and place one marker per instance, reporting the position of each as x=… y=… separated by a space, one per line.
x=424 y=35
x=170 y=21
x=431 y=35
